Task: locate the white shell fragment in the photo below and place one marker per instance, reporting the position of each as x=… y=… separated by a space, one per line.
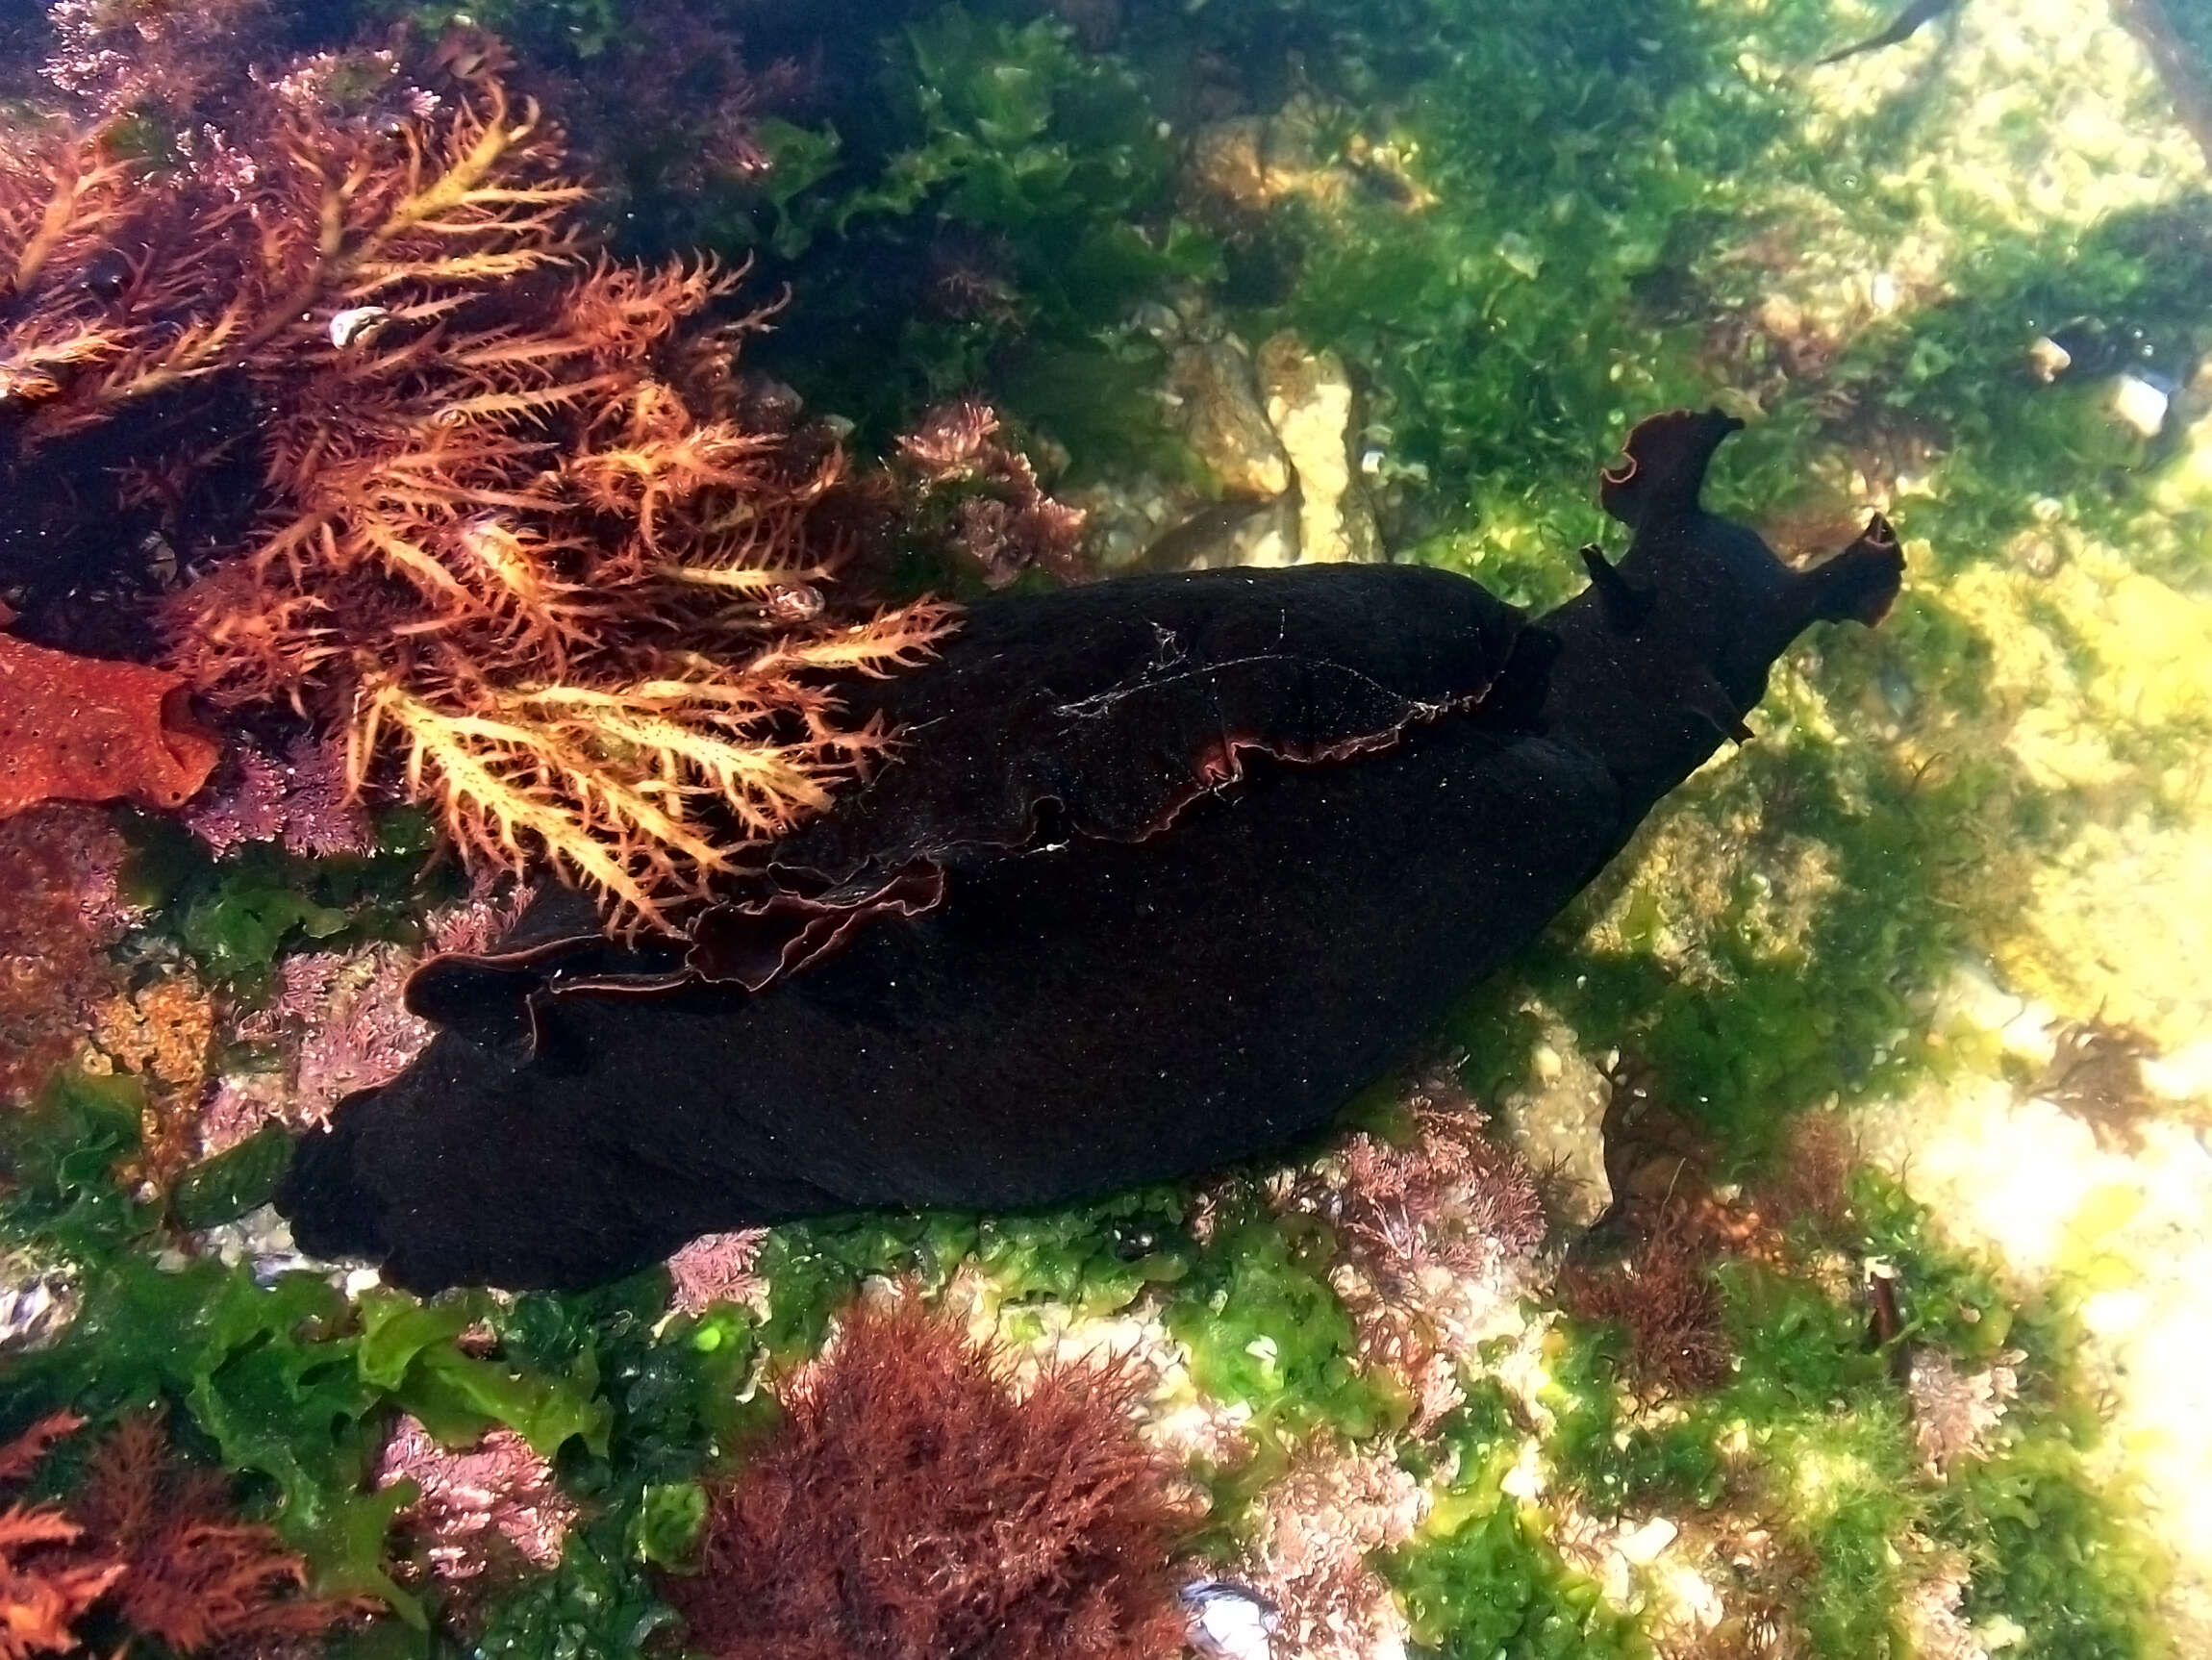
x=1228 y=1621
x=2140 y=404
x=35 y=1310
x=2048 y=358
x=356 y=322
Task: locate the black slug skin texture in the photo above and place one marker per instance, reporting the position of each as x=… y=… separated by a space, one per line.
x=1163 y=871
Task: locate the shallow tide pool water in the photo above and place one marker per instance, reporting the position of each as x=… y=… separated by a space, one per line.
x=1804 y=1248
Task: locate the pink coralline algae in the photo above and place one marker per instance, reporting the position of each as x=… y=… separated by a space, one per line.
x=953 y=441
x=718 y=1268
x=358 y=1032
x=494 y=904
x=1004 y=522
x=1954 y=1412
x=61 y=908
x=472 y=1502
x=1429 y=1223
x=300 y=800
x=1309 y=1549
x=117 y=60
x=341 y=1018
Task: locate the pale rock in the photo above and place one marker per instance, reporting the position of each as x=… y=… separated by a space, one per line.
x=2140 y=405
x=1643 y=1545
x=1309 y=405
x=1257 y=160
x=36 y=1306
x=1558 y=1126
x=1223 y=418
x=1229 y=1622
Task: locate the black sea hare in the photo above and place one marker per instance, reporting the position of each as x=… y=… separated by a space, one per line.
x=1165 y=870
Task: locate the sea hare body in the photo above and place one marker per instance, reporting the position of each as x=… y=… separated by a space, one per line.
x=1164 y=871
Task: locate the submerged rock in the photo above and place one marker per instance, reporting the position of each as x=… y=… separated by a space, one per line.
x=1220 y=413
x=1278 y=433
x=1309 y=404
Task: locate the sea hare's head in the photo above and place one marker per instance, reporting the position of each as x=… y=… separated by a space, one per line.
x=1679 y=634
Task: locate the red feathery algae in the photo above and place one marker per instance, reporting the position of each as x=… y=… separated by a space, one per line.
x=47 y=1582
x=911 y=1504
x=151 y=1538
x=1663 y=1294
x=191 y=1574
x=45 y=1587
x=516 y=542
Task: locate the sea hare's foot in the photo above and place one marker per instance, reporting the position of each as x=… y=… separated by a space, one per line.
x=1861 y=582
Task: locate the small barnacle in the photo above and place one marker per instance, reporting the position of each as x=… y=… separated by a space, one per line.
x=793 y=602
x=357 y=323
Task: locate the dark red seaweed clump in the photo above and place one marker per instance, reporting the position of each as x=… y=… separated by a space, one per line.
x=913 y=1503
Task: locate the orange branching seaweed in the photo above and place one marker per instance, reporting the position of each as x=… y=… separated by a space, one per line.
x=190 y=1574
x=516 y=541
x=912 y=1505
x=43 y=1593
x=21 y=1456
x=83 y=729
x=47 y=1581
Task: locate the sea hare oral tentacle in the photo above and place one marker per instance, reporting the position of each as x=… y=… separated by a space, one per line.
x=1861 y=582
x=1161 y=872
x=1663 y=465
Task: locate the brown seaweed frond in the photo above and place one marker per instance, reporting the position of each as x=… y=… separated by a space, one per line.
x=2096 y=1074
x=912 y=1504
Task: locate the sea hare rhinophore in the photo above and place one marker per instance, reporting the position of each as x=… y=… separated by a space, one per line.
x=1164 y=871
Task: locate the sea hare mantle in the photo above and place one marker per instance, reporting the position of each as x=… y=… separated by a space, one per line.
x=1165 y=870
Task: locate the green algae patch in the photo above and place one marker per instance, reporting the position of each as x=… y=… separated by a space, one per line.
x=1481 y=1579
x=287 y=1383
x=1885 y=1458
x=236 y=1180
x=1035 y=178
x=1265 y=1331
x=1096 y=1259
x=235 y=916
